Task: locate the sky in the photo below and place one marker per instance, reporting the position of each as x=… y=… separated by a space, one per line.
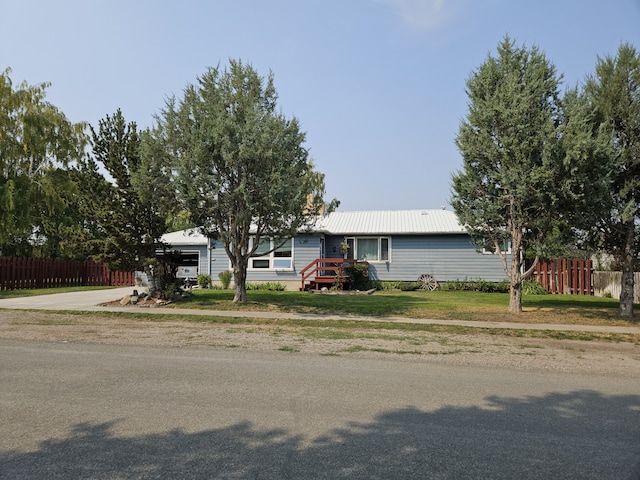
x=377 y=85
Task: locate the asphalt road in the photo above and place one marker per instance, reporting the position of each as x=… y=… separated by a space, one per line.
x=105 y=412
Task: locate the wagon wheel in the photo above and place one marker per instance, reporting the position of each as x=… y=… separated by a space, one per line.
x=427 y=282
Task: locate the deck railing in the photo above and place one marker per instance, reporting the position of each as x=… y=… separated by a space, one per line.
x=329 y=271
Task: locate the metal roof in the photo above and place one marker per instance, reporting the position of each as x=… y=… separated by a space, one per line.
x=373 y=222
x=191 y=236
x=408 y=222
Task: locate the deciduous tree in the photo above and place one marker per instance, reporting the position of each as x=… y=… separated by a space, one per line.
x=35 y=139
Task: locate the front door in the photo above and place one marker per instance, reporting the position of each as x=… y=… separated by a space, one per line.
x=351 y=243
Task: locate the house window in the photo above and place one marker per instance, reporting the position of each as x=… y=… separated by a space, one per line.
x=489 y=247
x=371 y=249
x=283 y=255
x=265 y=258
x=384 y=249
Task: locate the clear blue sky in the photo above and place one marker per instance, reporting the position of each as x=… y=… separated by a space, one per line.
x=378 y=85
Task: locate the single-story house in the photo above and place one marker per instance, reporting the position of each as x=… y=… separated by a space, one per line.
x=398 y=245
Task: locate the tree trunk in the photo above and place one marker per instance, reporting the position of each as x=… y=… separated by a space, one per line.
x=240 y=281
x=153 y=281
x=515 y=297
x=515 y=280
x=515 y=273
x=626 y=292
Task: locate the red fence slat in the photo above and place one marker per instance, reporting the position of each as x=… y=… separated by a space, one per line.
x=565 y=276
x=26 y=273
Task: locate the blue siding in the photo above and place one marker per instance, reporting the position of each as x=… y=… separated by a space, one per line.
x=219 y=261
x=333 y=247
x=447 y=257
x=306 y=248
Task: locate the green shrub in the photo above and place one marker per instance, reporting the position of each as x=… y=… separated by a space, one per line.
x=204 y=280
x=170 y=288
x=408 y=286
x=533 y=288
x=491 y=287
x=225 y=278
x=477 y=285
x=267 y=286
x=386 y=285
x=357 y=277
x=455 y=286
x=161 y=273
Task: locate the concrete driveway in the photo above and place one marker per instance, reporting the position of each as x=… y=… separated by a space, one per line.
x=84 y=300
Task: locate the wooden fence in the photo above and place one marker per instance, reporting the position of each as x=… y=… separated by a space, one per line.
x=610 y=284
x=567 y=276
x=26 y=273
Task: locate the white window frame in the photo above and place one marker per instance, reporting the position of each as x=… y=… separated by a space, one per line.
x=506 y=251
x=379 y=239
x=271 y=258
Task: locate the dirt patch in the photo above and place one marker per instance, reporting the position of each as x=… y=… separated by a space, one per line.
x=478 y=349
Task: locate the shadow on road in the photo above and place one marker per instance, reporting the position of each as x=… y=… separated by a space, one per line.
x=581 y=434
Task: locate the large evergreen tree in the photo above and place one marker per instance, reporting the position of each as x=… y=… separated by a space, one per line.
x=513 y=186
x=243 y=171
x=127 y=211
x=614 y=93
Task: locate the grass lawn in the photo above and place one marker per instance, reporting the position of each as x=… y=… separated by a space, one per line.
x=555 y=309
x=559 y=309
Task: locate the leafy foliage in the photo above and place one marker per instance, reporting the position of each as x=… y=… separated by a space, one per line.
x=614 y=94
x=242 y=168
x=357 y=274
x=161 y=273
x=126 y=216
x=267 y=286
x=204 y=280
x=225 y=278
x=408 y=286
x=477 y=285
x=518 y=181
x=36 y=140
x=533 y=288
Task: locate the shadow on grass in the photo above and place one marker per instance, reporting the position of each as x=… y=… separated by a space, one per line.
x=305 y=302
x=580 y=434
x=589 y=308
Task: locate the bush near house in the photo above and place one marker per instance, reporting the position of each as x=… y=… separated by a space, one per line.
x=267 y=286
x=204 y=280
x=477 y=285
x=225 y=278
